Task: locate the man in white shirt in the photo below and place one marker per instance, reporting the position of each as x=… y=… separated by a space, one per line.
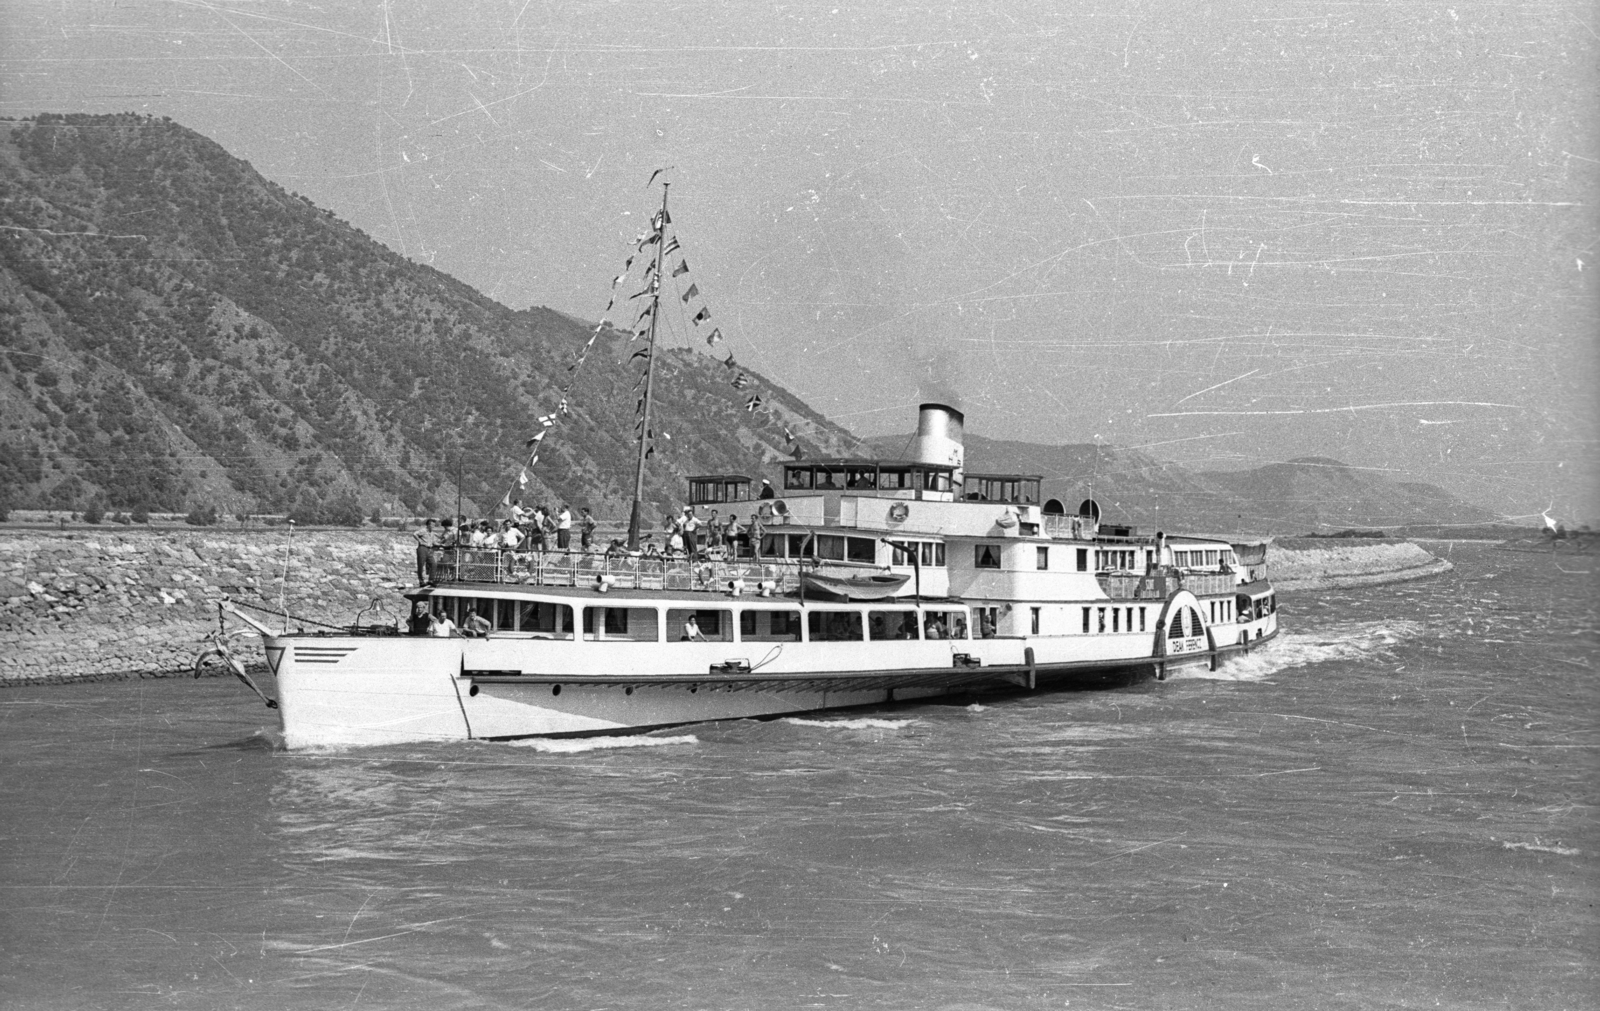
x=510 y=536
x=564 y=528
x=441 y=627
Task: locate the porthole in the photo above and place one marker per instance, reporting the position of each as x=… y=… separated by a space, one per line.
x=555 y=689
x=473 y=691
x=628 y=690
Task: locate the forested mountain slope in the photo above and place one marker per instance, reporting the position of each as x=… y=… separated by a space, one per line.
x=178 y=331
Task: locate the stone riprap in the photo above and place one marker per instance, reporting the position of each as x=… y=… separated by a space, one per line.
x=93 y=605
x=1323 y=563
x=109 y=604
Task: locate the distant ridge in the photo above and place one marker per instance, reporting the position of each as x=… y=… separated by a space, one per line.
x=1302 y=495
x=181 y=332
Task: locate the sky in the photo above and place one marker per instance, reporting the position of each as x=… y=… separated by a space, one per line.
x=1227 y=233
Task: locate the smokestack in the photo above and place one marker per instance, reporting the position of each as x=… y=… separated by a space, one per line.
x=939 y=432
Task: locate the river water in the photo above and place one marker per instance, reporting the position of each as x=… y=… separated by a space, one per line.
x=1393 y=806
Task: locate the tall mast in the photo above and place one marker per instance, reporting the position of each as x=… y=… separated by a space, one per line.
x=649 y=377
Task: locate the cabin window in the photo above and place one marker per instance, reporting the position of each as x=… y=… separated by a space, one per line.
x=986 y=556
x=831 y=547
x=797 y=545
x=935 y=480
x=1086 y=621
x=1041 y=558
x=1116 y=619
x=861 y=549
x=861 y=477
x=832 y=480
x=944 y=625
x=769 y=626
x=1034 y=617
x=541 y=618
x=715 y=626
x=1083 y=559
x=621 y=624
x=988 y=622
x=1100 y=615
x=797 y=478
x=505 y=616
x=928 y=553
x=1141 y=619
x=834 y=626
x=891 y=480
x=883 y=625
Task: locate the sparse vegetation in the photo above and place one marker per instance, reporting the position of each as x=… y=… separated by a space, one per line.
x=241 y=346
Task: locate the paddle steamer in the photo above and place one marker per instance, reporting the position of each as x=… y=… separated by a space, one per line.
x=876 y=581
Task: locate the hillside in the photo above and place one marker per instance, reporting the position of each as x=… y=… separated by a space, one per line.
x=1301 y=495
x=177 y=331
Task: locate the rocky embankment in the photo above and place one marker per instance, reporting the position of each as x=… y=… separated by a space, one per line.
x=1315 y=563
x=139 y=603
x=110 y=604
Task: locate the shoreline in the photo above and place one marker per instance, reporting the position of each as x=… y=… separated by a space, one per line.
x=116 y=604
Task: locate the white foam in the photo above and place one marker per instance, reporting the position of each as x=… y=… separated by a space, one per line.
x=1541 y=847
x=1297 y=649
x=572 y=745
x=866 y=723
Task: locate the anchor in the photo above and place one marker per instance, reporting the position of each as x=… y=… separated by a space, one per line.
x=221 y=649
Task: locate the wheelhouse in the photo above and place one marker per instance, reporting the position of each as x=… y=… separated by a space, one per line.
x=884 y=478
x=715 y=489
x=1013 y=489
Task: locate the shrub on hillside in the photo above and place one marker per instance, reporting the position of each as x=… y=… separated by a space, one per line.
x=140 y=515
x=344 y=511
x=202 y=516
x=94 y=513
x=121 y=518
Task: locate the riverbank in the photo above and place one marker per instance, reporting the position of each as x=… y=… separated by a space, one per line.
x=110 y=604
x=1305 y=563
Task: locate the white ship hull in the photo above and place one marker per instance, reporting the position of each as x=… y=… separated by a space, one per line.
x=339 y=691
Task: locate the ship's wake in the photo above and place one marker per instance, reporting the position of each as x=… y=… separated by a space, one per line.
x=865 y=723
x=1358 y=641
x=573 y=745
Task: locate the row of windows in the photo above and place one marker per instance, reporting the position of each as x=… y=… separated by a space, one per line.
x=645 y=624
x=1121 y=619
x=924 y=553
x=825 y=477
x=1197 y=559
x=987 y=556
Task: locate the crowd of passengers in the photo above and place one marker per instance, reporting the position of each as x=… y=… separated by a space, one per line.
x=685 y=535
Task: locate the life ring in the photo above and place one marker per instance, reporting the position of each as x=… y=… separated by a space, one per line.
x=899 y=511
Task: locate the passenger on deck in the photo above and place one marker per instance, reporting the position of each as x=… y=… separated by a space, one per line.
x=564 y=528
x=766 y=490
x=440 y=626
x=427 y=540
x=691 y=631
x=758 y=532
x=586 y=525
x=985 y=625
x=510 y=536
x=421 y=621
x=730 y=534
x=934 y=628
x=476 y=626
x=691 y=530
